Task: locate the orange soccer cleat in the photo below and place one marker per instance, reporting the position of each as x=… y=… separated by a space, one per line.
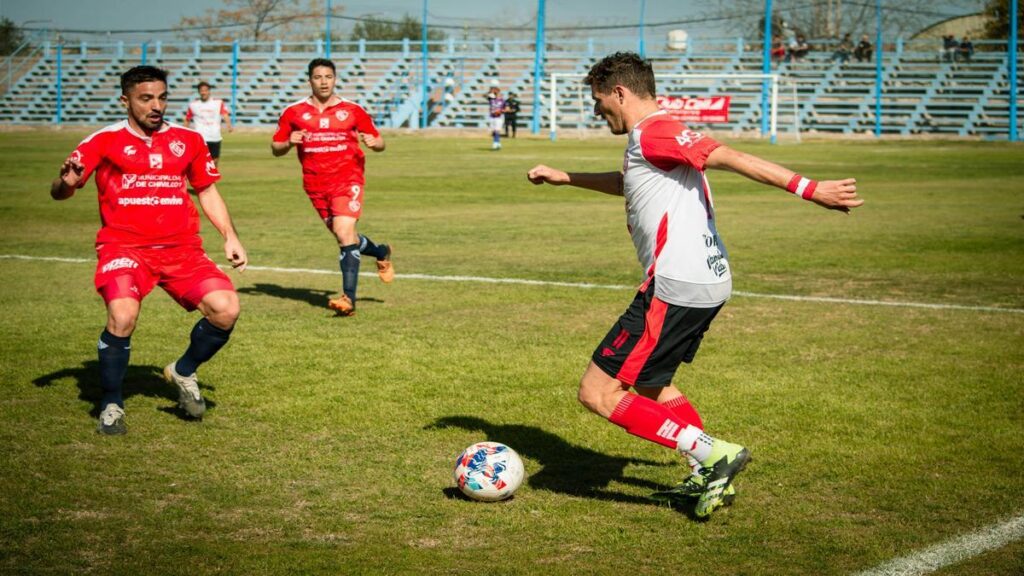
x=385 y=269
x=342 y=305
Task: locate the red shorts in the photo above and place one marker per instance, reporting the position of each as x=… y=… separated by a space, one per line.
x=186 y=273
x=344 y=201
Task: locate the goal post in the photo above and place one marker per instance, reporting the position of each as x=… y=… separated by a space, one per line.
x=562 y=85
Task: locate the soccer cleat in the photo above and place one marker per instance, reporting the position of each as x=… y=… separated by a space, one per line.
x=385 y=269
x=111 y=421
x=342 y=305
x=692 y=487
x=189 y=398
x=725 y=462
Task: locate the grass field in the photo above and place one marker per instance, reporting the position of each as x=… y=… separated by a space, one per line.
x=876 y=430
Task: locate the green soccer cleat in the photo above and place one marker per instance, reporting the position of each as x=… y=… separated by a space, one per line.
x=725 y=462
x=692 y=487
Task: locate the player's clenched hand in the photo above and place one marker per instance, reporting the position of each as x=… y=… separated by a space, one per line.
x=837 y=194
x=71 y=172
x=296 y=138
x=541 y=174
x=370 y=140
x=236 y=254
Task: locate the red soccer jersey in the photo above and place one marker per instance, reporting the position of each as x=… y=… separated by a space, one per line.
x=330 y=154
x=141 y=183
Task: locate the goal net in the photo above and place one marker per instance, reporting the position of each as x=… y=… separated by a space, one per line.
x=571 y=109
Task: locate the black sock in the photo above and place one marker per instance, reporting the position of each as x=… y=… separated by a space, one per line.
x=207 y=339
x=349 y=263
x=113 y=352
x=378 y=251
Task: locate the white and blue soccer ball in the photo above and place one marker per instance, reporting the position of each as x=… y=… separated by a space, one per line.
x=489 y=471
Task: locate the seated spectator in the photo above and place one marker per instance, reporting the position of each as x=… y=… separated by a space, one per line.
x=863 y=50
x=965 y=50
x=949 y=48
x=778 y=50
x=799 y=49
x=843 y=51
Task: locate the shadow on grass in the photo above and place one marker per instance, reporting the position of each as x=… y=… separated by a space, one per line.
x=146 y=381
x=313 y=297
x=566 y=469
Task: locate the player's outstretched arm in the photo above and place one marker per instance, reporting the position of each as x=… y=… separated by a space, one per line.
x=64 y=186
x=838 y=195
x=606 y=182
x=217 y=212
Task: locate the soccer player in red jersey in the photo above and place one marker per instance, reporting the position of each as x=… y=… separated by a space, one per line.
x=671 y=219
x=326 y=129
x=150 y=236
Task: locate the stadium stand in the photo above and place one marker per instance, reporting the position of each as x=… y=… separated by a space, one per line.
x=921 y=93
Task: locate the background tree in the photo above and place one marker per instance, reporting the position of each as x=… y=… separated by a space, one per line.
x=11 y=36
x=377 y=29
x=256 y=20
x=998 y=25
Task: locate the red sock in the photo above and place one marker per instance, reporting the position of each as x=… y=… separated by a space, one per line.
x=682 y=408
x=647 y=419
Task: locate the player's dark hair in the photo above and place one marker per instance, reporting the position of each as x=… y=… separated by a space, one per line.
x=318 y=62
x=140 y=74
x=625 y=68
x=203 y=83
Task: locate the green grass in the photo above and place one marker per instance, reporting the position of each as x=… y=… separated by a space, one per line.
x=328 y=448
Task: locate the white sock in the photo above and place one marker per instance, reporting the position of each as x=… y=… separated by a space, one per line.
x=694 y=442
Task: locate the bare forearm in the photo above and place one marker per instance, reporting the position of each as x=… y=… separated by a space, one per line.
x=752 y=167
x=217 y=212
x=280 y=148
x=606 y=182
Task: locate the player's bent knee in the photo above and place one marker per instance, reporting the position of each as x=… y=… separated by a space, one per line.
x=122 y=316
x=221 y=308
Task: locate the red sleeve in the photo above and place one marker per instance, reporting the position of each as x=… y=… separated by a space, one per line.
x=202 y=170
x=364 y=124
x=188 y=113
x=668 y=144
x=90 y=154
x=284 y=126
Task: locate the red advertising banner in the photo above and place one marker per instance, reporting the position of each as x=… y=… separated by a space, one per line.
x=706 y=109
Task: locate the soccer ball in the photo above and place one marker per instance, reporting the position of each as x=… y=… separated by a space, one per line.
x=489 y=471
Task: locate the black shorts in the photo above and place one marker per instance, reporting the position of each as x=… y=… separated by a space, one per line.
x=214 y=149
x=651 y=339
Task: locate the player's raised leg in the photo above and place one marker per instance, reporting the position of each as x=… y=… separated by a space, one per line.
x=114 y=350
x=382 y=252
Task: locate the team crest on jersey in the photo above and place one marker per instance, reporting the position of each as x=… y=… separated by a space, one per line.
x=76 y=156
x=688 y=138
x=341 y=115
x=129 y=150
x=354 y=205
x=307 y=116
x=325 y=122
x=128 y=181
x=177 y=148
x=156 y=161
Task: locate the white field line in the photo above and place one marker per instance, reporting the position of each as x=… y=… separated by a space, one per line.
x=952 y=551
x=581 y=285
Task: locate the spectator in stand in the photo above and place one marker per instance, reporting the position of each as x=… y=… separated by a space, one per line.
x=949 y=48
x=778 y=51
x=966 y=49
x=843 y=51
x=798 y=50
x=863 y=50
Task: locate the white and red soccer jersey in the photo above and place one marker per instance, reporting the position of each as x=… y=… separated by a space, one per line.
x=206 y=117
x=142 y=183
x=330 y=154
x=670 y=214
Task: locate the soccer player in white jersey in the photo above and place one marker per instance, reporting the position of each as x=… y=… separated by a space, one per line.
x=671 y=220
x=207 y=114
